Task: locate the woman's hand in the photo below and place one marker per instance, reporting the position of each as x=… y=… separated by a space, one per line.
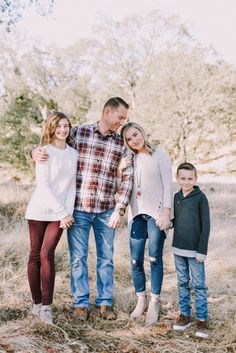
x=124 y=163
x=163 y=220
x=67 y=222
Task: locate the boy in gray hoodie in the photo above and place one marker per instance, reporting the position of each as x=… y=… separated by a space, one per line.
x=191 y=224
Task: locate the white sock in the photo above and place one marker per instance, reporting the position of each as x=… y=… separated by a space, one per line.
x=140 y=306
x=153 y=309
x=36 y=309
x=46 y=307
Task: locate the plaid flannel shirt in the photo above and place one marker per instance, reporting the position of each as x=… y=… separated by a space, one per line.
x=99 y=157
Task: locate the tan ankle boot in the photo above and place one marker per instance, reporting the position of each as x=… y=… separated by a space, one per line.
x=153 y=309
x=141 y=306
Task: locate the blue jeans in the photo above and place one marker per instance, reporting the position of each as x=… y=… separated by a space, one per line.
x=78 y=239
x=183 y=267
x=141 y=228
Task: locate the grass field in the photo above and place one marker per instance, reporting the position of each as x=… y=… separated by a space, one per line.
x=20 y=333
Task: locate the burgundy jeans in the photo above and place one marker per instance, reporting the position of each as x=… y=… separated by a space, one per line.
x=44 y=237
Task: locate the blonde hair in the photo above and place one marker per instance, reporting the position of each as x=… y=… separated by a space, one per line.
x=50 y=127
x=149 y=147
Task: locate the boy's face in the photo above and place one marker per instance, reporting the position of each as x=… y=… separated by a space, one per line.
x=186 y=180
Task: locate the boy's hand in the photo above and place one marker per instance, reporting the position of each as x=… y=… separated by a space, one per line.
x=199 y=260
x=39 y=154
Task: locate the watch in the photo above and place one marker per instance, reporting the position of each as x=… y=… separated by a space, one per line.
x=121 y=210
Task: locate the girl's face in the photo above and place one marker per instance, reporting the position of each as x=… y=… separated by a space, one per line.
x=135 y=139
x=62 y=130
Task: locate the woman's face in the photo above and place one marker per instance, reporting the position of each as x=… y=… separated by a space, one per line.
x=135 y=139
x=62 y=130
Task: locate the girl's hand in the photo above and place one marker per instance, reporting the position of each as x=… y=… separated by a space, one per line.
x=66 y=222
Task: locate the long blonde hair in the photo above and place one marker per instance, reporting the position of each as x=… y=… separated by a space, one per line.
x=50 y=127
x=149 y=147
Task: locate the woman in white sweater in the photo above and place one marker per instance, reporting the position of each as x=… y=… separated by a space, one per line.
x=148 y=216
x=50 y=211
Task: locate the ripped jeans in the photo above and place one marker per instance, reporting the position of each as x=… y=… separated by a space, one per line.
x=141 y=228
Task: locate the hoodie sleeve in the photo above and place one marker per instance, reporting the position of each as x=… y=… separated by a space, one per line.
x=205 y=226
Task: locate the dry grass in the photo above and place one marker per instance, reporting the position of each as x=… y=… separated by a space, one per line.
x=22 y=334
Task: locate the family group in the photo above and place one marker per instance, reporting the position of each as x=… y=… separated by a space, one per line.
x=86 y=177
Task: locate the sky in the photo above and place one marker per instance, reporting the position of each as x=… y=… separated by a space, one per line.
x=213 y=22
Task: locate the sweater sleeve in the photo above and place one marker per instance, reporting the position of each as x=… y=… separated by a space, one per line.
x=205 y=223
x=43 y=184
x=166 y=177
x=70 y=196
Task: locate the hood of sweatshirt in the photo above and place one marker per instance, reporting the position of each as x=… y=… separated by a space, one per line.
x=193 y=193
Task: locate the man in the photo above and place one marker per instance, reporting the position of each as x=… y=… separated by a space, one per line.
x=100 y=151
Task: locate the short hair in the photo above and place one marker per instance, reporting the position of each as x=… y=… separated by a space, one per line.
x=186 y=166
x=115 y=102
x=150 y=148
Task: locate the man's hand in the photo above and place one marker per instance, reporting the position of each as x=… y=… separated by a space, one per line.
x=66 y=222
x=114 y=221
x=39 y=154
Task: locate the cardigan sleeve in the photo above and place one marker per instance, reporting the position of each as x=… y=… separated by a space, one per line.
x=166 y=177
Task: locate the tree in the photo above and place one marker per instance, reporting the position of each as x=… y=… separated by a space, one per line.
x=188 y=102
x=12 y=11
x=120 y=50
x=19 y=131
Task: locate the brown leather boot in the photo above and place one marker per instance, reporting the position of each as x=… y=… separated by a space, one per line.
x=106 y=312
x=82 y=313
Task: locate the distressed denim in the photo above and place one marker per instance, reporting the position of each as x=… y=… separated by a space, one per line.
x=144 y=227
x=78 y=239
x=185 y=265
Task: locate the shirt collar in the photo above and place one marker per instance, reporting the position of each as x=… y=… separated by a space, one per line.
x=96 y=129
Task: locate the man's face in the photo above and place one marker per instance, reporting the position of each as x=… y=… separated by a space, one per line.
x=115 y=118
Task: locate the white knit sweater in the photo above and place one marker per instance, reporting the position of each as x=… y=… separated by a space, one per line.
x=153 y=181
x=54 y=195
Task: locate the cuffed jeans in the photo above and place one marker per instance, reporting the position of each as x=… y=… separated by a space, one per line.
x=141 y=228
x=78 y=239
x=183 y=267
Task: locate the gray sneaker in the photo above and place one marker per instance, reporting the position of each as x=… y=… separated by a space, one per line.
x=182 y=323
x=46 y=314
x=201 y=330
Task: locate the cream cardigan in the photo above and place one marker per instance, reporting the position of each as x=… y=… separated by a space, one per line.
x=153 y=181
